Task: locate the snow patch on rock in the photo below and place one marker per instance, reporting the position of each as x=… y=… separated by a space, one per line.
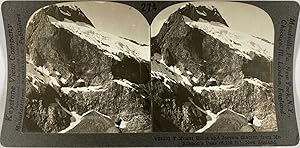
x=195 y=80
x=63 y=80
x=185 y=81
x=199 y=89
x=166 y=79
x=53 y=81
x=181 y=78
x=43 y=70
x=256 y=121
x=67 y=90
x=77 y=119
x=255 y=82
x=123 y=124
x=209 y=123
x=125 y=83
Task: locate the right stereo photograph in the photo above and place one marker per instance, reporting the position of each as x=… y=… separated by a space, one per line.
x=211 y=69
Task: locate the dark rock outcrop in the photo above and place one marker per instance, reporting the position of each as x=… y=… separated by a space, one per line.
x=203 y=12
x=229 y=121
x=65 y=12
x=94 y=122
x=172 y=111
x=42 y=113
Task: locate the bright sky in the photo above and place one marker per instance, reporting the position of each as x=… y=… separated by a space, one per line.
x=239 y=16
x=118 y=19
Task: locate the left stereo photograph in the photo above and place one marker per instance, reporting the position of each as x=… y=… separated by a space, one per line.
x=87 y=69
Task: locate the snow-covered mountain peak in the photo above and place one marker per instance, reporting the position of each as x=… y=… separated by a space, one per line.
x=71 y=13
x=111 y=45
x=244 y=44
x=208 y=13
x=209 y=20
x=74 y=20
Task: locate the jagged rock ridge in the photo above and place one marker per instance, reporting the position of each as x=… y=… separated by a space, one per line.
x=210 y=14
x=65 y=12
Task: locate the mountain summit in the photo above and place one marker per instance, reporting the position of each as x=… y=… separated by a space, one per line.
x=208 y=13
x=72 y=13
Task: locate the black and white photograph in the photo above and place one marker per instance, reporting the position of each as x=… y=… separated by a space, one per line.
x=149 y=73
x=87 y=69
x=211 y=69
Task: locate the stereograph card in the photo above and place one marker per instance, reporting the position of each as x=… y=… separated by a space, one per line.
x=150 y=73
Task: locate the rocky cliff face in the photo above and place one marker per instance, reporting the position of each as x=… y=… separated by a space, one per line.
x=199 y=63
x=72 y=69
